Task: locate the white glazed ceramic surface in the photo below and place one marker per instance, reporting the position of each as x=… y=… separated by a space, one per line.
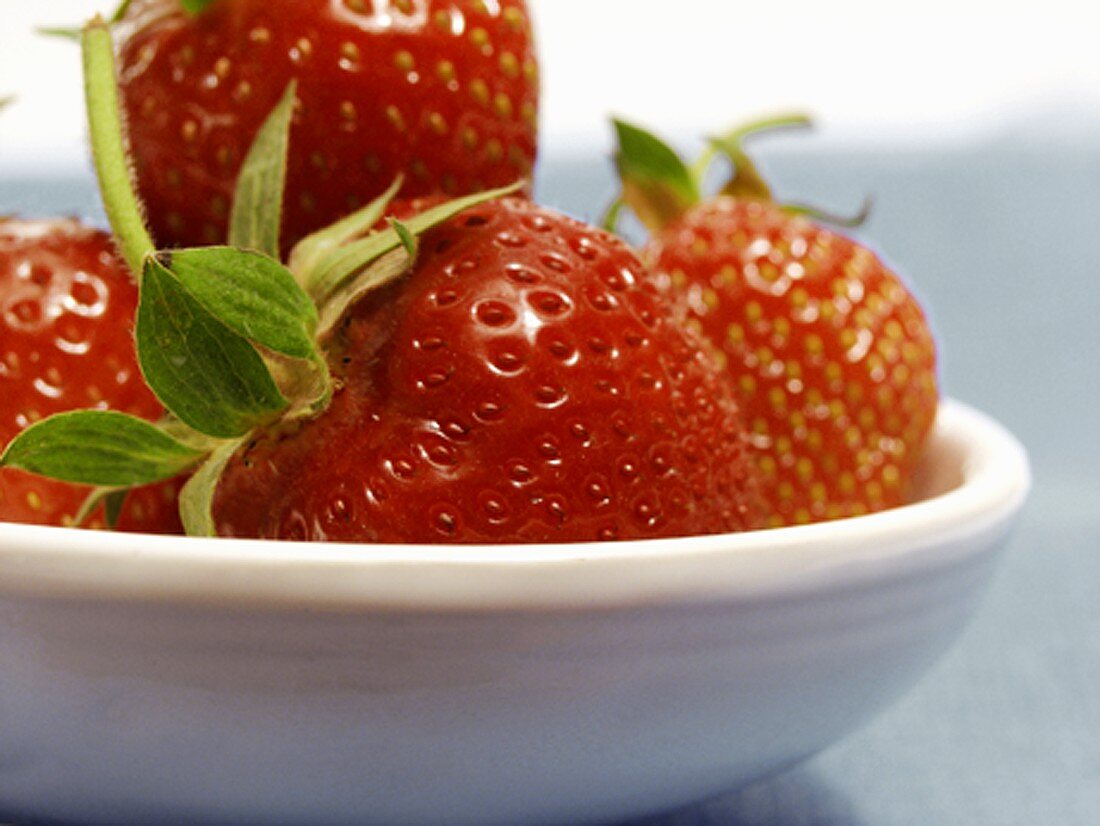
x=162 y=679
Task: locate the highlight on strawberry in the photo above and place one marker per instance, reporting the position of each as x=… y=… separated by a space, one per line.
x=831 y=353
x=466 y=374
x=442 y=92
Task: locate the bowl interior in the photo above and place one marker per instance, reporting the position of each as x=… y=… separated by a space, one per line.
x=942 y=469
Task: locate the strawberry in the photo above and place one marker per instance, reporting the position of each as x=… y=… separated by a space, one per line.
x=496 y=394
x=443 y=91
x=66 y=309
x=833 y=355
x=483 y=371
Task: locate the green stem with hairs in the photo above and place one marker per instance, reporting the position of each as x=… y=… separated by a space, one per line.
x=123 y=209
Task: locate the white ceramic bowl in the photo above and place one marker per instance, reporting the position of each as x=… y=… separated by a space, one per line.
x=163 y=679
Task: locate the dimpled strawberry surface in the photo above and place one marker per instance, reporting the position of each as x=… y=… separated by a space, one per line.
x=833 y=356
x=66 y=342
x=442 y=91
x=524 y=383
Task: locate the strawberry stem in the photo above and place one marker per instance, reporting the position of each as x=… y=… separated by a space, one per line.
x=257 y=214
x=817 y=214
x=747 y=182
x=702 y=164
x=124 y=211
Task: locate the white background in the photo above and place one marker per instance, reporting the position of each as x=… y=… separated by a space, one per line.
x=921 y=70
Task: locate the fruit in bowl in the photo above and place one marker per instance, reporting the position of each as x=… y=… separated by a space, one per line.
x=466 y=374
x=331 y=393
x=234 y=679
x=833 y=358
x=66 y=307
x=492 y=394
x=441 y=90
x=476 y=683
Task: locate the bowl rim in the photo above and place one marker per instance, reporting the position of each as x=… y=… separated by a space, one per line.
x=946 y=529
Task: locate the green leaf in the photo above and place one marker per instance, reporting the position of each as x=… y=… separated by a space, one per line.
x=112 y=500
x=657 y=185
x=253 y=295
x=188 y=435
x=197 y=496
x=381 y=271
x=208 y=376
x=99 y=447
x=344 y=262
x=112 y=506
x=258 y=201
x=308 y=252
x=92 y=501
x=404 y=234
x=378 y=273
x=6 y=101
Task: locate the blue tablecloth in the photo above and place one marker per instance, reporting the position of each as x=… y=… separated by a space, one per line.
x=1001 y=238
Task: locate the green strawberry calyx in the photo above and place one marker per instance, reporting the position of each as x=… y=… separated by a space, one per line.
x=659 y=186
x=229 y=339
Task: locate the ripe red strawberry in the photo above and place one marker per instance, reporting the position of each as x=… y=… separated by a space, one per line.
x=832 y=354
x=66 y=310
x=486 y=370
x=444 y=91
x=524 y=383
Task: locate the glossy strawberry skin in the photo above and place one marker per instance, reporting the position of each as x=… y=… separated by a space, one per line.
x=66 y=342
x=443 y=91
x=525 y=383
x=835 y=363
